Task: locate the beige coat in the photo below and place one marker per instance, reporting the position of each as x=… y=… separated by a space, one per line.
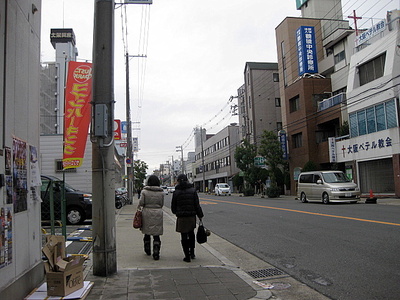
x=152 y=201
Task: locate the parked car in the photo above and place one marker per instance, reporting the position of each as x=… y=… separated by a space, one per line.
x=327 y=186
x=78 y=203
x=165 y=189
x=222 y=189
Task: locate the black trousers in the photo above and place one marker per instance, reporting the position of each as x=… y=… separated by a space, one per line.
x=189 y=236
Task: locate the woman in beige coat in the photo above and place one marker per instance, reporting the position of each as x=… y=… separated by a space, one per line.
x=151 y=201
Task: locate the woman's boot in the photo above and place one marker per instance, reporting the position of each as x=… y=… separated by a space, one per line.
x=156 y=250
x=191 y=248
x=186 y=250
x=147 y=247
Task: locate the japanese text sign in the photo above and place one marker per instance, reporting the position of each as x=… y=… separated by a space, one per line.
x=78 y=95
x=306 y=50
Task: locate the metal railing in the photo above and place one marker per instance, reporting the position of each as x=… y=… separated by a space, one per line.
x=332 y=101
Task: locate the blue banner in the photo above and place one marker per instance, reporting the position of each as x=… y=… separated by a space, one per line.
x=306 y=50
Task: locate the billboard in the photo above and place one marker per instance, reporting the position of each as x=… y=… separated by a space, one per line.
x=78 y=95
x=306 y=50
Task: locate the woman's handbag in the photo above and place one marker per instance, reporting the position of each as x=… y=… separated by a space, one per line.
x=201 y=235
x=137 y=219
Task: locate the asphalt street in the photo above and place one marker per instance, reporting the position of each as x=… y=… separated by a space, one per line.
x=344 y=251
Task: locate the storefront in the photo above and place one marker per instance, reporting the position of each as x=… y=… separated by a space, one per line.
x=374 y=158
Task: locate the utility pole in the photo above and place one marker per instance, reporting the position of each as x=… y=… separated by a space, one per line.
x=129 y=159
x=180 y=148
x=203 y=168
x=103 y=167
x=129 y=149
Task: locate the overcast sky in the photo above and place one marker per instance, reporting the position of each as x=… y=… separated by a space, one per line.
x=196 y=53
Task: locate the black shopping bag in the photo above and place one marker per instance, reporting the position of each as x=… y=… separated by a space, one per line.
x=201 y=235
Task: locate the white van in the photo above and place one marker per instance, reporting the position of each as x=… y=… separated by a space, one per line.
x=327 y=186
x=222 y=189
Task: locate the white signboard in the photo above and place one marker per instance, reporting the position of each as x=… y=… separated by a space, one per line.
x=369 y=146
x=332 y=150
x=370 y=33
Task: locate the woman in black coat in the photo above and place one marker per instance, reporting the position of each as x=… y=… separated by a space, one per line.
x=186 y=206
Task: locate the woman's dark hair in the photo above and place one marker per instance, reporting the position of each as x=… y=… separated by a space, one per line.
x=153 y=181
x=182 y=178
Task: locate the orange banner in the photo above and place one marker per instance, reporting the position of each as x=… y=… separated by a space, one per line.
x=77 y=115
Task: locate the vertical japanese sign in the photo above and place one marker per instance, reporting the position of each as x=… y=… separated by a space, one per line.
x=283 y=143
x=78 y=95
x=306 y=50
x=332 y=150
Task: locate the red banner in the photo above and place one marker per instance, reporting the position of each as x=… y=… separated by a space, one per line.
x=77 y=115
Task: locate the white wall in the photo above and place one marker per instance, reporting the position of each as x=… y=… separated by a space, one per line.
x=21 y=120
x=51 y=149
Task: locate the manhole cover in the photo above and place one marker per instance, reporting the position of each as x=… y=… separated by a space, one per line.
x=265 y=273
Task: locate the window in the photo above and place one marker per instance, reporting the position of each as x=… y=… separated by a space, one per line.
x=372 y=70
x=278 y=102
x=275 y=77
x=60 y=168
x=297 y=140
x=294 y=104
x=339 y=57
x=284 y=63
x=249 y=101
x=372 y=119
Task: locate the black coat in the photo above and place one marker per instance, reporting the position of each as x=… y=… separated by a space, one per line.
x=185 y=201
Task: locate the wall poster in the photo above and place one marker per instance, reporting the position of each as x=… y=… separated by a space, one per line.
x=20 y=184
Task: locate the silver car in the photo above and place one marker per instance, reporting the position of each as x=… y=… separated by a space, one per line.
x=327 y=186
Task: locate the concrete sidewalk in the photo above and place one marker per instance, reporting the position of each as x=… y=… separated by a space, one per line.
x=220 y=271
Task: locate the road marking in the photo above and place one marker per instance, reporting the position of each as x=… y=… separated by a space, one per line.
x=307 y=212
x=207 y=202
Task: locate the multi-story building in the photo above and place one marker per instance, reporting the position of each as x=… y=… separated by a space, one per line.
x=259 y=101
x=313 y=56
x=52 y=112
x=373 y=151
x=214 y=157
x=21 y=266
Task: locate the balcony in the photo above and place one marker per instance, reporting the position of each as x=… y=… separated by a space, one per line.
x=332 y=101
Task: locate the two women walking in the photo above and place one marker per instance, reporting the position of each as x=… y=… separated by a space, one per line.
x=185 y=205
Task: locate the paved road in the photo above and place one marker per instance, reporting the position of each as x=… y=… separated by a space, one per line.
x=345 y=251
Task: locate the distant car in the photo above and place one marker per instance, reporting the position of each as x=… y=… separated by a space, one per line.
x=165 y=189
x=78 y=203
x=222 y=189
x=171 y=189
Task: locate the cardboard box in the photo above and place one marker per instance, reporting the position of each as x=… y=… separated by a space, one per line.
x=64 y=275
x=65 y=282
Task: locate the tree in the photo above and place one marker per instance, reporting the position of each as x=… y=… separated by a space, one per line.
x=271 y=150
x=139 y=171
x=244 y=157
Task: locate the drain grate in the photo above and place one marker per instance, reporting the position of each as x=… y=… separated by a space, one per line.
x=266 y=273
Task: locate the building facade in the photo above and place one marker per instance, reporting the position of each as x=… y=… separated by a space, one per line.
x=373 y=151
x=313 y=86
x=214 y=157
x=21 y=267
x=259 y=101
